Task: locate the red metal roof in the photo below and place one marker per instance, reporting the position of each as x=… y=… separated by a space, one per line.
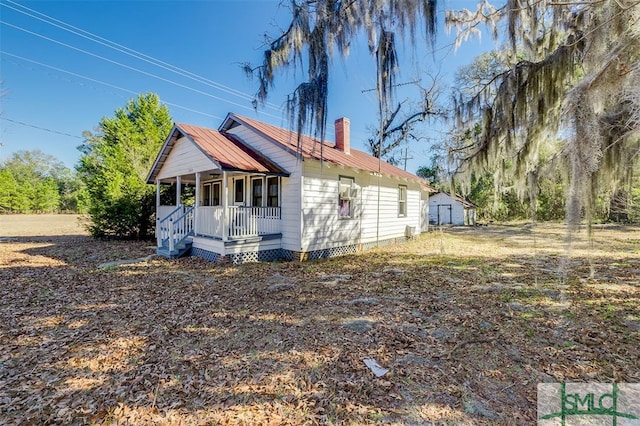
x=312 y=148
x=227 y=151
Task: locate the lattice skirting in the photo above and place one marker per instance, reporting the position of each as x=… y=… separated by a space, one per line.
x=282 y=254
x=256 y=256
x=206 y=254
x=332 y=252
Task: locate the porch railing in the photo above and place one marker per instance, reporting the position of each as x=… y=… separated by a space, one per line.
x=210 y=221
x=175 y=227
x=166 y=211
x=241 y=221
x=162 y=223
x=253 y=221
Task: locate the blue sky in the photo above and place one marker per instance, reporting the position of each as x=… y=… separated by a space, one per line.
x=57 y=84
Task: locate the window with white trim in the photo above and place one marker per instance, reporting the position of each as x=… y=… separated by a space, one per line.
x=256 y=192
x=346 y=197
x=206 y=194
x=238 y=193
x=402 y=200
x=273 y=189
x=211 y=194
x=216 y=191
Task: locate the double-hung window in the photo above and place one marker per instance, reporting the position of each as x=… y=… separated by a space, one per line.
x=256 y=192
x=238 y=192
x=211 y=194
x=402 y=201
x=215 y=193
x=346 y=197
x=272 y=192
x=206 y=194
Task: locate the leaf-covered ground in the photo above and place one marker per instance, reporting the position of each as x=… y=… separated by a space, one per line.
x=468 y=322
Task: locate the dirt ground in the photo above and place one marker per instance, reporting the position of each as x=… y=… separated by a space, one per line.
x=467 y=321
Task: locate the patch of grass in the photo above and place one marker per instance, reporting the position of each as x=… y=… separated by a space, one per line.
x=376 y=416
x=529 y=315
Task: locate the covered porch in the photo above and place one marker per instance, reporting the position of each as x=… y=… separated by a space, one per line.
x=214 y=191
x=217 y=205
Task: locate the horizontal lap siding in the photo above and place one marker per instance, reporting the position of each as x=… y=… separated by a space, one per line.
x=253 y=246
x=457 y=209
x=391 y=225
x=184 y=158
x=291 y=186
x=323 y=227
x=218 y=246
x=458 y=214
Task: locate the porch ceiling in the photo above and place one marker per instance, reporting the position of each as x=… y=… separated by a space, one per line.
x=206 y=176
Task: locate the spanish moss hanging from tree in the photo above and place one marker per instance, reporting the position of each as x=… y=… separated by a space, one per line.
x=320 y=27
x=575 y=76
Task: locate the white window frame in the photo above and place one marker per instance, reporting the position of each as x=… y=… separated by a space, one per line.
x=262 y=200
x=242 y=201
x=346 y=197
x=217 y=184
x=269 y=195
x=402 y=200
x=206 y=194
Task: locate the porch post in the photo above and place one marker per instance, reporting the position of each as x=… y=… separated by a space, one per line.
x=225 y=207
x=195 y=214
x=158 y=212
x=178 y=190
x=157 y=196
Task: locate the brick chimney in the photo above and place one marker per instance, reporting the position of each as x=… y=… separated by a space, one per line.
x=343 y=135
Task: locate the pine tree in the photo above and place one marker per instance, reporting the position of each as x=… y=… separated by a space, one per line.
x=114 y=165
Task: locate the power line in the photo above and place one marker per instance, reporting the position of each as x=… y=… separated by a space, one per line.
x=395 y=85
x=41 y=128
x=184 y=86
x=2 y=52
x=131 y=52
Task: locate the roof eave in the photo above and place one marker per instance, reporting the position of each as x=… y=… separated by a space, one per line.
x=168 y=144
x=231 y=117
x=154 y=169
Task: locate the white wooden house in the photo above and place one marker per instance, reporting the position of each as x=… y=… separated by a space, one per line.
x=445 y=209
x=259 y=195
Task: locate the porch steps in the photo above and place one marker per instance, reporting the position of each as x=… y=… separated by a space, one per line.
x=181 y=249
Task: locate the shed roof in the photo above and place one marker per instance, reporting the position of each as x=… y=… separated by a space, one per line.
x=224 y=150
x=312 y=148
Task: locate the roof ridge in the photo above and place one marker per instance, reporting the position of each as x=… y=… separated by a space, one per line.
x=356 y=159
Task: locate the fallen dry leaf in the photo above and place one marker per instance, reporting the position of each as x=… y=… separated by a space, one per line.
x=476 y=318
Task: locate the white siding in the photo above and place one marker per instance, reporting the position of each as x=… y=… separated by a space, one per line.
x=215 y=246
x=218 y=246
x=444 y=210
x=324 y=228
x=250 y=246
x=424 y=212
x=291 y=186
x=390 y=224
x=184 y=158
x=273 y=151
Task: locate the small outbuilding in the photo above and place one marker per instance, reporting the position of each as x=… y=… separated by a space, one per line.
x=446 y=209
